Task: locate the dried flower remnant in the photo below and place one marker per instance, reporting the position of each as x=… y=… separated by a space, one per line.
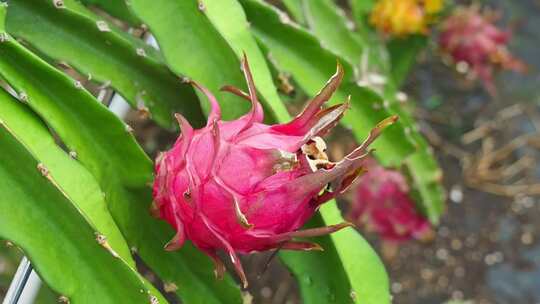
x=405 y=17
x=472 y=40
x=243 y=186
x=382 y=204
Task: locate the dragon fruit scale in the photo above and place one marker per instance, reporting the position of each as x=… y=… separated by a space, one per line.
x=242 y=186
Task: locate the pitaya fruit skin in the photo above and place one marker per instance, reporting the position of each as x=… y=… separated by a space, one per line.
x=471 y=36
x=243 y=186
x=401 y=18
x=382 y=204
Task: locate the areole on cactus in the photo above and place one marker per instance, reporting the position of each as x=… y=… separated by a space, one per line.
x=243 y=186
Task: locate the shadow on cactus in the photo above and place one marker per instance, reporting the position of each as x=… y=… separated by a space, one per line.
x=243 y=186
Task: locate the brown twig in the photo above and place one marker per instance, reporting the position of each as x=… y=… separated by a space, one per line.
x=491 y=168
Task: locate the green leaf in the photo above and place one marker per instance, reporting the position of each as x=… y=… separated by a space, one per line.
x=347 y=271
x=229 y=19
x=55 y=236
x=294 y=7
x=361 y=10
x=116 y=8
x=403 y=53
x=365 y=270
x=72 y=35
x=297 y=52
x=74 y=114
x=377 y=56
x=421 y=165
x=320 y=274
x=329 y=24
x=193 y=47
x=106 y=148
x=83 y=190
x=427 y=176
x=46 y=296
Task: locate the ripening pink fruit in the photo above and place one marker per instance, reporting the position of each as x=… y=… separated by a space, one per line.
x=471 y=37
x=243 y=186
x=382 y=204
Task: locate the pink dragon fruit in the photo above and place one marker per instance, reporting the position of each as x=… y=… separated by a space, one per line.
x=383 y=205
x=243 y=186
x=471 y=37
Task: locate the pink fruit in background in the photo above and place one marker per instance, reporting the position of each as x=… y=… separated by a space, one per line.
x=471 y=37
x=382 y=204
x=243 y=186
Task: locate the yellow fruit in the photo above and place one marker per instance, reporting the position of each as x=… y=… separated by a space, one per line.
x=404 y=17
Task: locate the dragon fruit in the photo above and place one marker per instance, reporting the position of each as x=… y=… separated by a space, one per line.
x=471 y=37
x=404 y=17
x=243 y=186
x=382 y=204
